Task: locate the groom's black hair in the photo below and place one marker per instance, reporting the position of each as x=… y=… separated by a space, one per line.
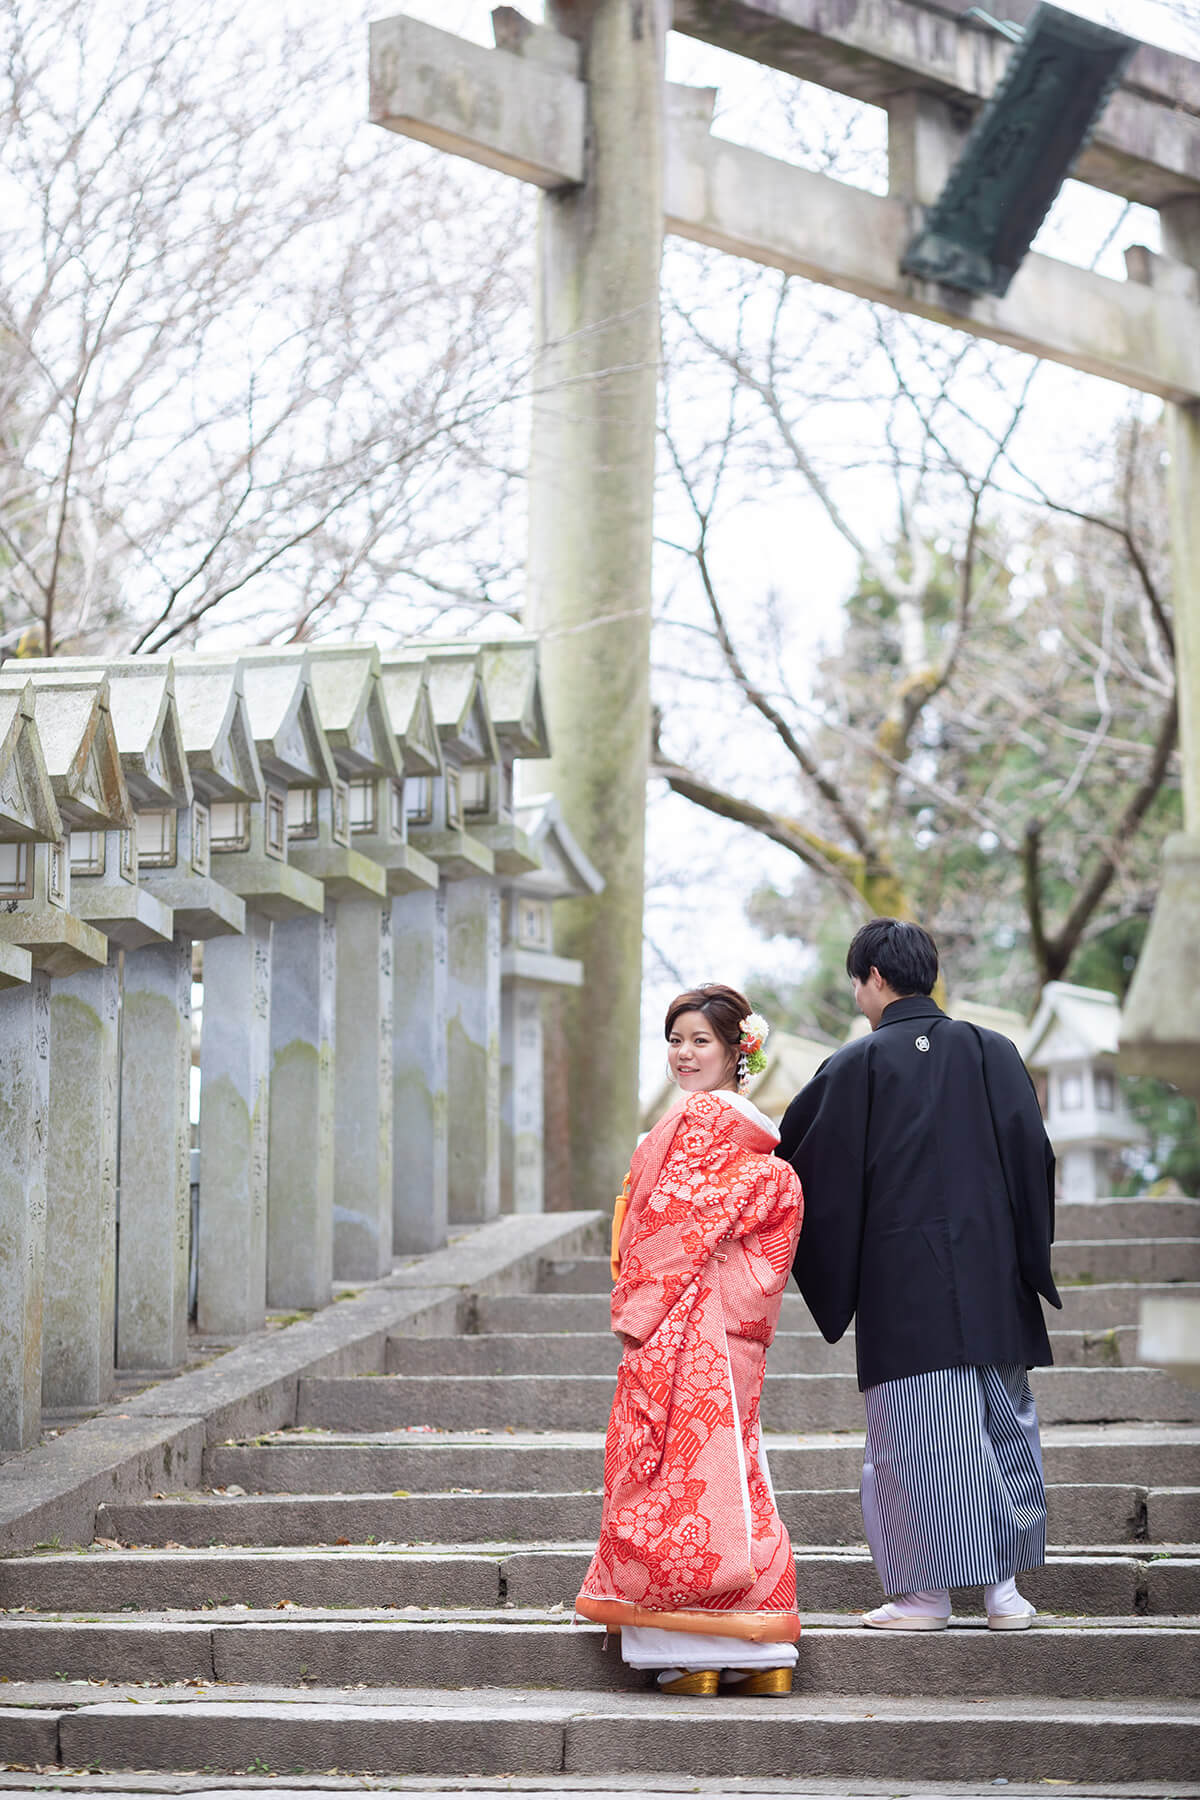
x=905 y=955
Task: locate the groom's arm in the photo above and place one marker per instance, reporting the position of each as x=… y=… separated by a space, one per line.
x=824 y=1137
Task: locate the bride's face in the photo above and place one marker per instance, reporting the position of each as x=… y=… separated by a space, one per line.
x=697 y=1058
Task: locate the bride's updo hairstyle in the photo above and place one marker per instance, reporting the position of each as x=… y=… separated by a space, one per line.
x=722 y=1006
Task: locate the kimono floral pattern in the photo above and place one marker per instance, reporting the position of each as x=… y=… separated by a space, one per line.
x=690 y=1528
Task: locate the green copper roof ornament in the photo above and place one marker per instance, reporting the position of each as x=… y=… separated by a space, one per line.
x=1019 y=152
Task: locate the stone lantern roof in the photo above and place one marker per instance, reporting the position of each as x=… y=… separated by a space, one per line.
x=347 y=681
x=28 y=813
x=283 y=717
x=145 y=719
x=461 y=704
x=1072 y=1023
x=410 y=709
x=563 y=871
x=79 y=744
x=512 y=678
x=217 y=737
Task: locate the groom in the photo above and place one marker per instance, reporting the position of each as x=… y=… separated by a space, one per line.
x=928 y=1218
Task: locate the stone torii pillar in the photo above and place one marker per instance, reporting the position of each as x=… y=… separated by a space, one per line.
x=1160 y=1026
x=591 y=484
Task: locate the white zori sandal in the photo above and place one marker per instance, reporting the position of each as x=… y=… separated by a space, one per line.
x=911 y=1612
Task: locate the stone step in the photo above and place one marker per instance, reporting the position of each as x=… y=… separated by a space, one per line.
x=1084 y=1514
x=312 y=1462
x=598 y=1353
x=1090 y=1307
x=789 y=1403
x=447 y=1733
x=1119 y=1659
x=1089 y=1259
x=1134 y=1218
x=1114 y=1582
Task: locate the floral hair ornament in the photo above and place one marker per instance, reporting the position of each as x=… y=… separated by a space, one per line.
x=752 y=1035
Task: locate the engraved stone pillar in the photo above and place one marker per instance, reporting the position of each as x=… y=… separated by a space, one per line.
x=362 y=1170
x=79 y=1311
x=152 y=1245
x=300 y=1177
x=235 y=1064
x=419 y=1064
x=473 y=1048
x=521 y=1106
x=24 y=1109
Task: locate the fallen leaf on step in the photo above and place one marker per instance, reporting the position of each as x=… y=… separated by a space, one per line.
x=400 y=1494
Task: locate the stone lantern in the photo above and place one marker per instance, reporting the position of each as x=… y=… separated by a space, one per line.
x=226 y=779
x=266 y=1069
x=28 y=816
x=173 y=872
x=420 y=1179
x=444 y=830
x=347 y=688
x=1072 y=1041
x=529 y=968
x=74 y=720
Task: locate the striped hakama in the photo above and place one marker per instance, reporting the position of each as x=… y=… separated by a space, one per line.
x=952 y=1488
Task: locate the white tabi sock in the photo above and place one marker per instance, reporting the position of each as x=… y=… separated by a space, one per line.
x=1002 y=1599
x=933 y=1605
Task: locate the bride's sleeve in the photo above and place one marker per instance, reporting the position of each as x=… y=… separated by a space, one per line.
x=707 y=1192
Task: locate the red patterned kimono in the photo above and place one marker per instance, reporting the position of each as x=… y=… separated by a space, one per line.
x=690 y=1538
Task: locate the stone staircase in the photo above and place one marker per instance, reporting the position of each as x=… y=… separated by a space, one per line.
x=386 y=1585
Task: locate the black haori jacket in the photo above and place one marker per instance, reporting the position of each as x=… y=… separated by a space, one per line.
x=928 y=1197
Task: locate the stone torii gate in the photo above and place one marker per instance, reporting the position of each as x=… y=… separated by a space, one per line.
x=579 y=107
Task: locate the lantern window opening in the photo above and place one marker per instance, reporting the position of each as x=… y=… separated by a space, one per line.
x=275 y=836
x=229 y=825
x=16 y=872
x=200 y=838
x=476 y=790
x=397 y=813
x=454 y=812
x=87 y=852
x=533 y=924
x=156 y=838
x=418 y=799
x=58 y=872
x=1106 y=1091
x=364 y=805
x=339 y=805
x=301 y=813
x=1070 y=1091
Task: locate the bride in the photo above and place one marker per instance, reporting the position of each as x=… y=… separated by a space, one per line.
x=694 y=1566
